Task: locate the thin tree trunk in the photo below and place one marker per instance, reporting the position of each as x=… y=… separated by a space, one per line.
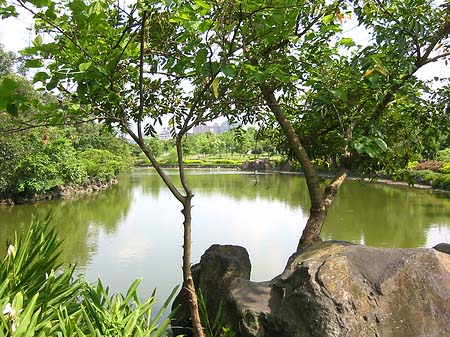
x=188 y=281
x=186 y=201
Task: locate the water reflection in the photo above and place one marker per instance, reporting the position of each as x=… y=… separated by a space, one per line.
x=382 y=215
x=78 y=220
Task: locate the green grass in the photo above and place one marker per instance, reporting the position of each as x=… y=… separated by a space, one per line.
x=205 y=160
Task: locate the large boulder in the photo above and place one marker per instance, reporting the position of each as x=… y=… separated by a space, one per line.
x=219 y=266
x=338 y=289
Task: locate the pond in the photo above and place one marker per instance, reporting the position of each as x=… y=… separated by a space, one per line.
x=134 y=229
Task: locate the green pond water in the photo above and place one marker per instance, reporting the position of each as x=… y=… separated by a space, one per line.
x=134 y=228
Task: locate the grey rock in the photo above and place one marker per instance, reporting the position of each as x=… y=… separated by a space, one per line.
x=339 y=289
x=218 y=267
x=286 y=166
x=443 y=247
x=260 y=165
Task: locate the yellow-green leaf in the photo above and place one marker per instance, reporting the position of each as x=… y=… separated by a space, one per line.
x=84 y=66
x=215 y=86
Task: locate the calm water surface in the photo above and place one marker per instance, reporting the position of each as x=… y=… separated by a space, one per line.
x=134 y=229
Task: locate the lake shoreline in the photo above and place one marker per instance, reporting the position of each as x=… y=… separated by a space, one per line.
x=58 y=192
x=380 y=180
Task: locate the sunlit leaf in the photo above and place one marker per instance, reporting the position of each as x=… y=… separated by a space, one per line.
x=215 y=87
x=84 y=66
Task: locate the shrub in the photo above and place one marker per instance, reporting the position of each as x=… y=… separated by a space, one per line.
x=226 y=162
x=445 y=168
x=442 y=181
x=194 y=162
x=426 y=176
x=444 y=155
x=35 y=173
x=101 y=165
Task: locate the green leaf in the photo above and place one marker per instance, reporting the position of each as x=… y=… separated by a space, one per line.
x=84 y=66
x=328 y=18
x=381 y=144
x=228 y=70
x=33 y=64
x=339 y=93
x=132 y=290
x=347 y=42
x=131 y=324
x=372 y=152
x=40 y=77
x=202 y=3
x=200 y=58
x=359 y=147
x=7 y=87
x=37 y=41
x=12 y=109
x=40 y=3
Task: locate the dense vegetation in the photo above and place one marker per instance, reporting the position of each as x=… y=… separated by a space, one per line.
x=36 y=159
x=431 y=172
x=287 y=64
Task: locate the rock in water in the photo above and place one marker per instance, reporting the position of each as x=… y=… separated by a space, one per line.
x=336 y=289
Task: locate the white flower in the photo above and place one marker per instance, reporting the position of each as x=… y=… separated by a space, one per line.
x=8 y=310
x=10 y=250
x=11 y=314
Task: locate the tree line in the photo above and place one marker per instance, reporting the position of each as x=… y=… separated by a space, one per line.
x=235 y=141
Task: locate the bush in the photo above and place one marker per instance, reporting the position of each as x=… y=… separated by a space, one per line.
x=426 y=176
x=194 y=162
x=444 y=155
x=38 y=298
x=445 y=168
x=442 y=181
x=35 y=173
x=101 y=165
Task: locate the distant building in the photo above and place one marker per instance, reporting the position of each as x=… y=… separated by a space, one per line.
x=202 y=129
x=165 y=134
x=216 y=128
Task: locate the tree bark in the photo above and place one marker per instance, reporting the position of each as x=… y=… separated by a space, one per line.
x=320 y=200
x=317 y=217
x=188 y=281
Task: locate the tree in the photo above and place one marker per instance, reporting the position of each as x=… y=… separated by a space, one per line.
x=128 y=67
x=294 y=68
x=7 y=61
